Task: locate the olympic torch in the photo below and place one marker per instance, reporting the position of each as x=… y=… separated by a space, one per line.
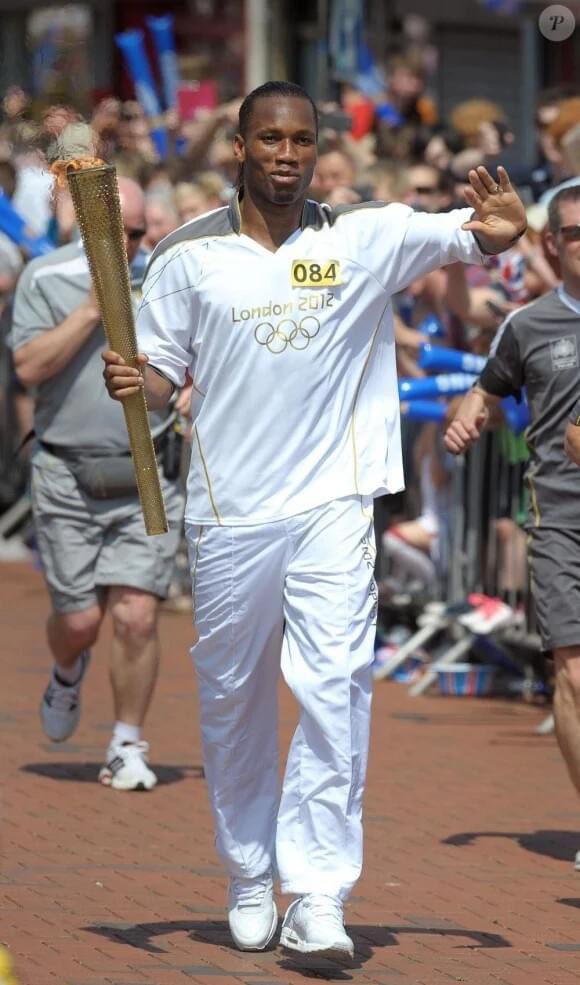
x=95 y=194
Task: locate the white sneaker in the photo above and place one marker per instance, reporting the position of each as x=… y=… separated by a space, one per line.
x=60 y=708
x=252 y=912
x=126 y=767
x=314 y=925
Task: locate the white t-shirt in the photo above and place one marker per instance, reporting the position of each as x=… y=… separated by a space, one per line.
x=292 y=353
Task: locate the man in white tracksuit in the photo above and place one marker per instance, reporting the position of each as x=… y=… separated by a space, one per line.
x=280 y=310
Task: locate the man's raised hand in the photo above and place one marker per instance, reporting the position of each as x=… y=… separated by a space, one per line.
x=500 y=216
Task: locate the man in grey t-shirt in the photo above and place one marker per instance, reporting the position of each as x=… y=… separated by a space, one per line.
x=91 y=537
x=538 y=347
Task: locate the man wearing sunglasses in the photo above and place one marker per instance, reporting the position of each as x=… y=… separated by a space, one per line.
x=94 y=550
x=538 y=348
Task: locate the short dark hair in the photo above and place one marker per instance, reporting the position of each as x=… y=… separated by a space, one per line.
x=571 y=194
x=268 y=91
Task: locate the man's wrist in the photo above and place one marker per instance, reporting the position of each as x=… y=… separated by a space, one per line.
x=489 y=399
x=477 y=388
x=90 y=312
x=491 y=249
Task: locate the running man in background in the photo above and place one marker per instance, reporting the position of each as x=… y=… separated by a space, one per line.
x=89 y=525
x=538 y=347
x=280 y=310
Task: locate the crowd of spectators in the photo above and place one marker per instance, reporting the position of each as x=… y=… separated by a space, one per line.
x=391 y=147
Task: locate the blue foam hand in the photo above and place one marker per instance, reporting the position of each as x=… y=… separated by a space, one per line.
x=447 y=384
x=440 y=360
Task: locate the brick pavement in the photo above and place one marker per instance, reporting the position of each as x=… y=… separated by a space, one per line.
x=471 y=831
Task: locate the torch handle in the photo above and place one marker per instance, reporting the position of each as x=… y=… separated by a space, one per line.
x=145 y=464
x=95 y=196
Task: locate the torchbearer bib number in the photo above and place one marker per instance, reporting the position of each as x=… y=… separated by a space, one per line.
x=315 y=273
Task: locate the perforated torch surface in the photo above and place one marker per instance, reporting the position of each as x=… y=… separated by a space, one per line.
x=97 y=206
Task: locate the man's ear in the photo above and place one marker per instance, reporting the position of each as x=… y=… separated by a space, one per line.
x=550 y=241
x=239 y=148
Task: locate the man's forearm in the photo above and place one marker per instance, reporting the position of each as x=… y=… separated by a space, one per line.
x=489 y=400
x=158 y=389
x=47 y=354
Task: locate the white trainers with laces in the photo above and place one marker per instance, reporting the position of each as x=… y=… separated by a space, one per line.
x=60 y=708
x=252 y=912
x=126 y=767
x=314 y=924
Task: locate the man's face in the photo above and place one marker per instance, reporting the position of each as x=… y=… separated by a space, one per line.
x=405 y=85
x=333 y=170
x=278 y=152
x=424 y=188
x=132 y=211
x=566 y=243
x=159 y=222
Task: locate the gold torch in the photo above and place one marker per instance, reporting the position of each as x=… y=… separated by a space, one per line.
x=95 y=194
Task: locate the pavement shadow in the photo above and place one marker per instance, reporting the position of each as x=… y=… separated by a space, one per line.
x=89 y=772
x=366 y=939
x=560 y=845
x=570 y=901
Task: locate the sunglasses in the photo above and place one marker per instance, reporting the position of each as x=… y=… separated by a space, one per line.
x=571 y=234
x=134 y=234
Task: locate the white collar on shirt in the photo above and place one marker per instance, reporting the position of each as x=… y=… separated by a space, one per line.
x=568 y=300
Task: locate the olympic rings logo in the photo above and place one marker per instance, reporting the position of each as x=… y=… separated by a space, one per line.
x=286 y=333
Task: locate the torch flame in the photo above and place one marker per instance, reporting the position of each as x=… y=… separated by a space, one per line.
x=60 y=169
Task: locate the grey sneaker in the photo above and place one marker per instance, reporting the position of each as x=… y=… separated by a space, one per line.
x=60 y=708
x=314 y=925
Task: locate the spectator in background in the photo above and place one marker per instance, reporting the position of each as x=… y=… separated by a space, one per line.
x=335 y=173
x=387 y=182
x=427 y=189
x=190 y=201
x=404 y=108
x=442 y=146
x=134 y=148
x=468 y=117
x=161 y=218
x=214 y=188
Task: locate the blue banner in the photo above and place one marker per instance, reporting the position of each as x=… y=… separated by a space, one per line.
x=163 y=38
x=13 y=225
x=133 y=48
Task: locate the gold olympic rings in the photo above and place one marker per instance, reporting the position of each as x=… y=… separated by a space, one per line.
x=286 y=333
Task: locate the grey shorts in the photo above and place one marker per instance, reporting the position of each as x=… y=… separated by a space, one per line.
x=554 y=561
x=87 y=545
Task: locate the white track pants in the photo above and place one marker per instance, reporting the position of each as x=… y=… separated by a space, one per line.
x=297 y=594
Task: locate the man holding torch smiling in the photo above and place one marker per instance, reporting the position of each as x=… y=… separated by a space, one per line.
x=280 y=310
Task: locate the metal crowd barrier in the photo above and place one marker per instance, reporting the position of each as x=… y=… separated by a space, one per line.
x=482 y=540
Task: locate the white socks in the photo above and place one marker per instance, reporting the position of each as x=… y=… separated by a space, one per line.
x=126 y=733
